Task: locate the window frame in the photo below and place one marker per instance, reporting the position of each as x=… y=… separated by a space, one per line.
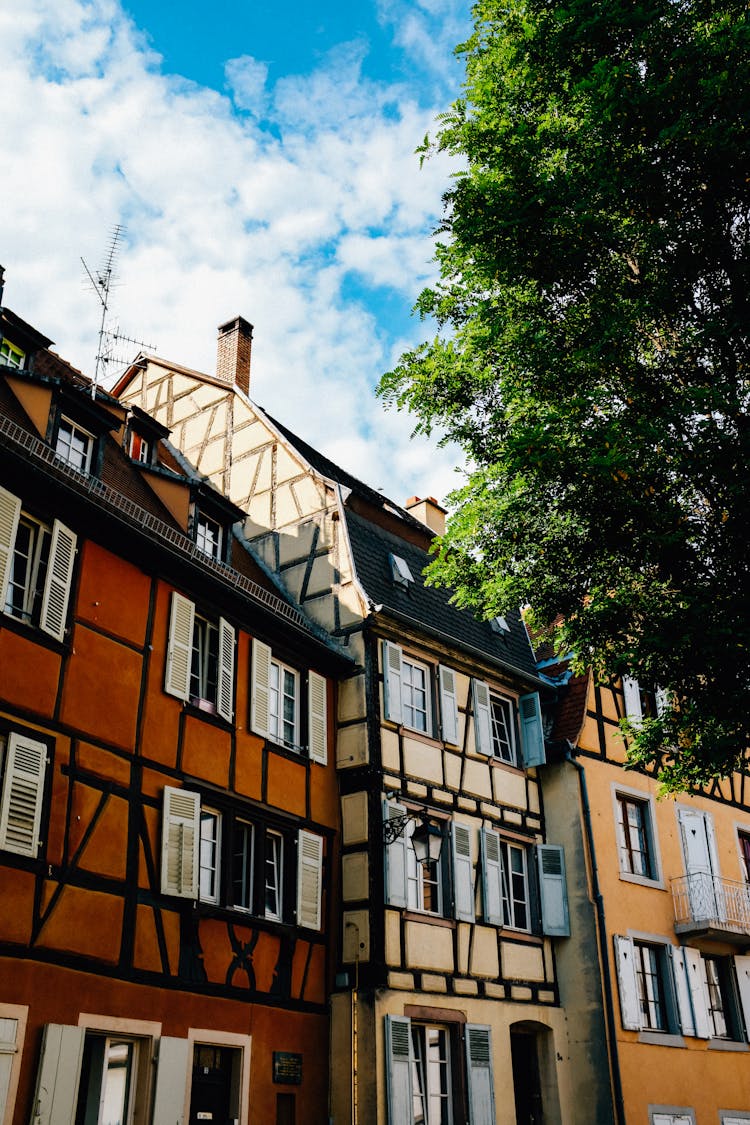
x=210 y=855
x=11 y=355
x=508 y=704
x=509 y=883
x=204 y=653
x=35 y=565
x=210 y=535
x=414 y=665
x=186 y=665
x=276 y=717
x=420 y=1061
x=646 y=805
x=80 y=464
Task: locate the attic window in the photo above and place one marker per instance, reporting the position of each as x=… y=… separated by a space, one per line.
x=140 y=448
x=400 y=572
x=209 y=536
x=74 y=445
x=499 y=625
x=11 y=355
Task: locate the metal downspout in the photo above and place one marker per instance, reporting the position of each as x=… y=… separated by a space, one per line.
x=614 y=1060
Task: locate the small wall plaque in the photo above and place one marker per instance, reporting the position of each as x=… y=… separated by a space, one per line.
x=287 y=1068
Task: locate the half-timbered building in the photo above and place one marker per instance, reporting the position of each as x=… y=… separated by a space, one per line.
x=446 y=1007
x=169 y=819
x=655 y=979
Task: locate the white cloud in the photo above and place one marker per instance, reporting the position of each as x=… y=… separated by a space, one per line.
x=269 y=213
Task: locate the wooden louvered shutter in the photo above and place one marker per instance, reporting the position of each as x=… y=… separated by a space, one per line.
x=62 y=553
x=8 y=1050
x=180 y=647
x=630 y=1009
x=482 y=719
x=463 y=873
x=479 y=1073
x=10 y=512
x=225 y=690
x=260 y=702
x=317 y=718
x=532 y=731
x=396 y=868
x=448 y=705
x=682 y=990
x=171 y=1077
x=742 y=971
x=492 y=877
x=309 y=879
x=696 y=973
x=58 y=1074
x=553 y=892
x=398 y=1061
x=392 y=681
x=23 y=790
x=632 y=692
x=180 y=842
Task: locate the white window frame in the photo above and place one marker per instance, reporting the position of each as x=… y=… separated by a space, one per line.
x=509 y=707
x=81 y=461
x=209 y=855
x=247 y=829
x=424 y=1065
x=510 y=900
x=139 y=448
x=13 y=1021
x=408 y=691
x=12 y=355
x=277 y=867
x=277 y=693
x=648 y=807
x=35 y=561
x=209 y=536
x=53 y=610
x=416 y=877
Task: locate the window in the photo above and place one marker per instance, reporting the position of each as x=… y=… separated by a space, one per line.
x=74 y=445
x=495 y=726
x=283 y=705
x=400 y=572
x=276 y=704
x=106 y=1091
x=723 y=1011
x=23 y=763
x=11 y=355
x=407 y=693
x=635 y=836
x=36 y=567
x=429 y=1078
x=657 y=991
x=649 y=972
x=515 y=887
x=200 y=659
x=209 y=536
x=424 y=880
x=140 y=448
x=743 y=839
x=218 y=856
x=503 y=728
x=412 y=886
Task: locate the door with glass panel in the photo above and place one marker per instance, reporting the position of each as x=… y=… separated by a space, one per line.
x=106 y=1090
x=431 y=1075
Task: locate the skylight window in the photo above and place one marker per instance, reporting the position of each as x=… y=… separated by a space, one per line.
x=499 y=625
x=400 y=572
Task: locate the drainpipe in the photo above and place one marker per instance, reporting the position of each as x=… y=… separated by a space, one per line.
x=601 y=926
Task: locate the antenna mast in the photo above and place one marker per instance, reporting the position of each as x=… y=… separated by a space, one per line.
x=101 y=283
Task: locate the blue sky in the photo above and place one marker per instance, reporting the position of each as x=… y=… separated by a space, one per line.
x=260 y=158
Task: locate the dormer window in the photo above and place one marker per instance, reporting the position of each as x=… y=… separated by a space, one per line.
x=400 y=572
x=499 y=625
x=74 y=445
x=140 y=448
x=11 y=355
x=209 y=536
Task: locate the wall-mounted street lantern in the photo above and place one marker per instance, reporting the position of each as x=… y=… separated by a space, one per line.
x=426 y=838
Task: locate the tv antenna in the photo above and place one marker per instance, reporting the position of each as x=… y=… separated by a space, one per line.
x=102 y=282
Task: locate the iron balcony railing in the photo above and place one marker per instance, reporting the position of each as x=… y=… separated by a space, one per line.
x=703 y=902
x=111 y=500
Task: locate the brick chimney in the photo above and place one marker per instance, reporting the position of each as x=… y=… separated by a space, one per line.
x=233 y=353
x=428 y=511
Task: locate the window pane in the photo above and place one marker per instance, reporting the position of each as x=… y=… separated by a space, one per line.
x=209 y=856
x=283 y=705
x=74 y=445
x=205 y=661
x=414 y=696
x=28 y=570
x=273 y=875
x=242 y=865
x=649 y=975
x=431 y=1076
x=501 y=711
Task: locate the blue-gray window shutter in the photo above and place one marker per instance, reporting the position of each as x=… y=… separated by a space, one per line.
x=492 y=876
x=479 y=1074
x=463 y=873
x=395 y=860
x=532 y=732
x=392 y=681
x=553 y=892
x=171 y=1076
x=630 y=1008
x=398 y=1062
x=448 y=705
x=58 y=1074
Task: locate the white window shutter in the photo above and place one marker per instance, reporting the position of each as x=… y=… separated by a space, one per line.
x=492 y=876
x=395 y=860
x=696 y=974
x=398 y=1062
x=62 y=553
x=23 y=791
x=309 y=879
x=317 y=718
x=225 y=690
x=482 y=721
x=632 y=692
x=10 y=511
x=180 y=839
x=260 y=719
x=532 y=730
x=661 y=696
x=58 y=1074
x=553 y=891
x=8 y=1051
x=463 y=873
x=682 y=988
x=742 y=971
x=479 y=1073
x=179 y=647
x=171 y=1080
x=630 y=1008
x=392 y=681
x=448 y=704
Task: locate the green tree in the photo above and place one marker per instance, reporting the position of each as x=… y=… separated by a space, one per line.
x=592 y=348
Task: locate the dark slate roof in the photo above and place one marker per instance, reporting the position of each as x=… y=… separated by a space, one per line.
x=430 y=606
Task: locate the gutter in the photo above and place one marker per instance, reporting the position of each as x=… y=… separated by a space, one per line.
x=614 y=1061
